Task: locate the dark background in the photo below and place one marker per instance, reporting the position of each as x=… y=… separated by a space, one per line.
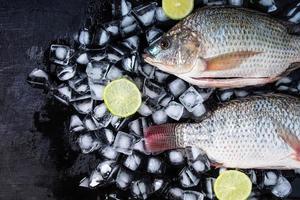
x=35 y=162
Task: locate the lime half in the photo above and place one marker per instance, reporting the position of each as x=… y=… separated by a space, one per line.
x=177 y=9
x=232 y=185
x=122 y=97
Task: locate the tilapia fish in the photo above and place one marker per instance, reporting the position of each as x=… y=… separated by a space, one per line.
x=226 y=47
x=255 y=132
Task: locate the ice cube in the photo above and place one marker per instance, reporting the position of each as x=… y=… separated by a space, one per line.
x=283 y=188
x=160 y=117
x=193 y=153
x=131 y=63
x=199 y=167
x=132 y=42
x=160 y=76
x=283 y=81
x=99 y=55
x=226 y=95
x=188 y=178
x=140 y=147
x=124 y=143
x=190 y=99
x=109 y=153
x=129 y=26
x=95 y=179
x=89 y=123
x=38 y=78
x=133 y=161
x=97 y=70
x=145 y=109
x=166 y=100
x=96 y=90
x=192 y=195
x=153 y=90
x=63 y=93
x=252 y=176
x=60 y=54
x=84 y=182
x=177 y=87
x=209 y=182
x=235 y=2
x=83 y=59
x=76 y=124
x=270 y=178
x=297 y=171
x=146 y=13
x=199 y=110
x=107 y=169
x=64 y=73
x=84 y=37
x=88 y=143
x=241 y=93
x=141 y=189
x=124 y=178
x=296 y=18
x=79 y=83
x=102 y=37
x=106 y=136
x=175 y=193
x=214 y=2
x=112 y=27
x=83 y=106
x=147 y=71
x=283 y=88
x=114 y=73
x=120 y=8
x=176 y=157
x=160 y=15
x=153 y=34
x=101 y=115
x=158 y=184
x=78 y=97
x=137 y=126
x=155 y=166
x=174 y=110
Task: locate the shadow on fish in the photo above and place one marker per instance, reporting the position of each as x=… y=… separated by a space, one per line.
x=226 y=47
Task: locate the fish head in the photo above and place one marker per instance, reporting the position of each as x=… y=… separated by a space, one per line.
x=177 y=52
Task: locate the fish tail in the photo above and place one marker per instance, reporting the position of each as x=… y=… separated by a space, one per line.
x=160 y=138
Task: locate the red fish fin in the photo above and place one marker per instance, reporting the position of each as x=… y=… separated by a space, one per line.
x=229 y=60
x=217 y=165
x=160 y=138
x=294 y=142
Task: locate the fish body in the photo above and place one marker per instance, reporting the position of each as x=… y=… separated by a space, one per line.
x=255 y=132
x=226 y=47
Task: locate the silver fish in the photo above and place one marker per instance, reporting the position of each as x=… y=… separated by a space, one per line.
x=255 y=132
x=226 y=47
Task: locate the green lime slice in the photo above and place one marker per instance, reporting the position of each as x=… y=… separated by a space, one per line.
x=122 y=97
x=177 y=9
x=232 y=185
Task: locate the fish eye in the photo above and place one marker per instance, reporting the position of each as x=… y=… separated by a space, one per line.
x=164 y=43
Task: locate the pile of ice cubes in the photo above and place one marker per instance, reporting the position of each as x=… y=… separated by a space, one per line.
x=76 y=77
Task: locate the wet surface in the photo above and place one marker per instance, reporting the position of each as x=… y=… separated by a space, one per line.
x=38 y=159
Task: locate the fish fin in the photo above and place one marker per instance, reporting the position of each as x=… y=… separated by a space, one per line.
x=228 y=60
x=293 y=141
x=160 y=138
x=228 y=83
x=217 y=165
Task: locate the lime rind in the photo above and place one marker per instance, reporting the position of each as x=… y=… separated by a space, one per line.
x=232 y=185
x=177 y=9
x=122 y=97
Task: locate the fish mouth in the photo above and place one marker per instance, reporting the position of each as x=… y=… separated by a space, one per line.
x=162 y=66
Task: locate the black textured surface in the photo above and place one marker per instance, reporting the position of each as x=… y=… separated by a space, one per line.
x=36 y=161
